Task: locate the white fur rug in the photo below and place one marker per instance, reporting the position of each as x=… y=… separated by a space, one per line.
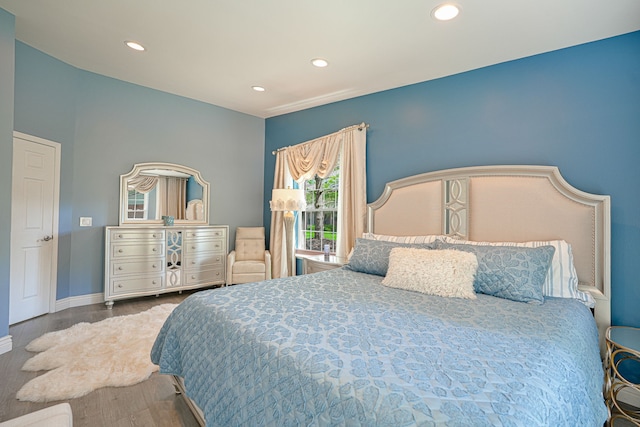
x=111 y=353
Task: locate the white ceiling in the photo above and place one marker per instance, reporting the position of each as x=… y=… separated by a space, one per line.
x=215 y=50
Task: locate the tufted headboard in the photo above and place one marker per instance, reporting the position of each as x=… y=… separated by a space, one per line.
x=505 y=203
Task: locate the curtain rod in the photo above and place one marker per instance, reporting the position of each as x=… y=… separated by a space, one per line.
x=360 y=127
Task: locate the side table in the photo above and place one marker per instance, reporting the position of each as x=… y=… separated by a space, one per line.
x=623 y=349
x=316 y=263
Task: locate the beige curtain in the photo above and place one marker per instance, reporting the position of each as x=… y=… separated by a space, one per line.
x=318 y=157
x=352 y=193
x=277 y=238
x=142 y=184
x=172 y=197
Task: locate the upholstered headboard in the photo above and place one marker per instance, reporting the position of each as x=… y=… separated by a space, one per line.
x=505 y=203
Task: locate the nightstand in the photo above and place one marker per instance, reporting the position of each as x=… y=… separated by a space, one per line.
x=316 y=263
x=623 y=348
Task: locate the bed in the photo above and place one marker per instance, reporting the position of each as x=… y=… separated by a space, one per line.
x=342 y=348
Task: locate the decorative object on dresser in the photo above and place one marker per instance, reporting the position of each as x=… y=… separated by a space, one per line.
x=148 y=255
x=315 y=263
x=250 y=261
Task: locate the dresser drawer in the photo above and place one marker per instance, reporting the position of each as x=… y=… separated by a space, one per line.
x=207 y=233
x=154 y=265
x=204 y=261
x=205 y=276
x=124 y=250
x=138 y=284
x=215 y=245
x=137 y=234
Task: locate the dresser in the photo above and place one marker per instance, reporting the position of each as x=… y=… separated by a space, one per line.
x=153 y=260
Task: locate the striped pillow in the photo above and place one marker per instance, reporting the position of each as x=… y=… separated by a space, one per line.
x=404 y=239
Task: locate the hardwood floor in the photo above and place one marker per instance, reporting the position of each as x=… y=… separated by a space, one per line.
x=150 y=403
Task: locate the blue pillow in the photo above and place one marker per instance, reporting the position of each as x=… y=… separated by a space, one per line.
x=372 y=256
x=510 y=272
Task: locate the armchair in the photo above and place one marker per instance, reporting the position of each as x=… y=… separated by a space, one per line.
x=249 y=261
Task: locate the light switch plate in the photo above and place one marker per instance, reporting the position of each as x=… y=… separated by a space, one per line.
x=86 y=221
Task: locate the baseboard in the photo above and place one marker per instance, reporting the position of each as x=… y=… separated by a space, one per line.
x=628 y=396
x=79 y=301
x=6 y=344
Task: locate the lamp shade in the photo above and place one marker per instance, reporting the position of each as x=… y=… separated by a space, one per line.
x=287 y=199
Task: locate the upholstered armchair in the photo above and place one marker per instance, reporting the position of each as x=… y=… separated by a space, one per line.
x=249 y=262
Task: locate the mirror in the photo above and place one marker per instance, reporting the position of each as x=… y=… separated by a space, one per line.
x=152 y=191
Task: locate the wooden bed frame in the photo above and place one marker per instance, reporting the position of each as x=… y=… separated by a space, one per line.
x=505 y=204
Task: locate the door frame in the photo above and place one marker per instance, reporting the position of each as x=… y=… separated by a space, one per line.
x=53 y=280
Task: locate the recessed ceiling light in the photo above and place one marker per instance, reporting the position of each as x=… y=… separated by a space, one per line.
x=258 y=88
x=445 y=12
x=135 y=45
x=319 y=62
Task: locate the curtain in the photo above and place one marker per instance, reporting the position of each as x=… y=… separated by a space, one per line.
x=142 y=184
x=319 y=157
x=277 y=238
x=352 y=193
x=172 y=197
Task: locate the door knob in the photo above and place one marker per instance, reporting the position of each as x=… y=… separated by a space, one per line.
x=47 y=238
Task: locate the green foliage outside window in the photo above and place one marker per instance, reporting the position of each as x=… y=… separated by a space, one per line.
x=318 y=223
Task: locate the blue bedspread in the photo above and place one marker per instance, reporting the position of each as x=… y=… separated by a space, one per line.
x=338 y=348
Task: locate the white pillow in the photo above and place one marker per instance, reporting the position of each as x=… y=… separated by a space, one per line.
x=561 y=280
x=445 y=273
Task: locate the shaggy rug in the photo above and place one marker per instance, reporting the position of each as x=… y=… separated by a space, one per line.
x=111 y=353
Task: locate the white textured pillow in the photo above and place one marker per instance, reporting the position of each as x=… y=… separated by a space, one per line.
x=561 y=280
x=445 y=273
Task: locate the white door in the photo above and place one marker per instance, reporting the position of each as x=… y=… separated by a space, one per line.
x=34 y=227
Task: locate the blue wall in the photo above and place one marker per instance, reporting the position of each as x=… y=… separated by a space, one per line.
x=576 y=108
x=105 y=126
x=7 y=35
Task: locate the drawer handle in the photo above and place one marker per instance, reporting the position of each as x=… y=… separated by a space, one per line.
x=193 y=276
x=193 y=247
x=154 y=249
x=154 y=234
x=120 y=236
x=119 y=251
x=120 y=268
x=153 y=282
x=193 y=262
x=120 y=285
x=218 y=273
x=153 y=266
x=218 y=259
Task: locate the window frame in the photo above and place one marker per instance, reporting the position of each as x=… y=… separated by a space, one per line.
x=144 y=210
x=302 y=245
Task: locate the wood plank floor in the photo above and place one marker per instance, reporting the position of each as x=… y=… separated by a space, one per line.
x=150 y=403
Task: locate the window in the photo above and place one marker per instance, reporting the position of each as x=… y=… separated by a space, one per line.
x=137 y=205
x=318 y=223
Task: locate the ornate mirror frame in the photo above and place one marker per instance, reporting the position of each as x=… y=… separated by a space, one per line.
x=139 y=169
